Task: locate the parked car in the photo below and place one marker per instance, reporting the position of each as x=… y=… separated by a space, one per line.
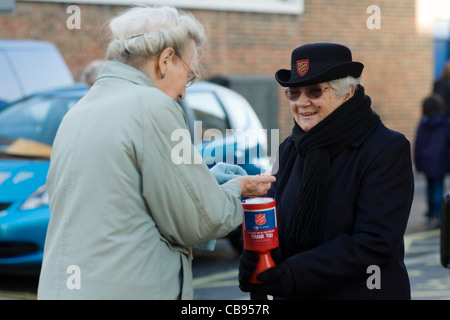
x=30 y=66
x=28 y=128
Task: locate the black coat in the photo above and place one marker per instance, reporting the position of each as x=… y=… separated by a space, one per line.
x=370 y=197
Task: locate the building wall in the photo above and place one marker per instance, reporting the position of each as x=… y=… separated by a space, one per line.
x=397 y=57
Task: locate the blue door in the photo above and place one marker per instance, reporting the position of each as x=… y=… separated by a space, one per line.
x=441 y=46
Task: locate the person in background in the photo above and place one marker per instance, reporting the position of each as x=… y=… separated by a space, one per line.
x=90 y=73
x=442 y=87
x=124 y=216
x=344 y=189
x=431 y=152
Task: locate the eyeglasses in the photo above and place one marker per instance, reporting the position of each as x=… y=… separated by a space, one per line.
x=310 y=92
x=192 y=77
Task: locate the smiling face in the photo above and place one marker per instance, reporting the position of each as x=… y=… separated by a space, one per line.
x=311 y=104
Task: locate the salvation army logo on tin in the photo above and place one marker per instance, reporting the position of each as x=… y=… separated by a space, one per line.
x=260 y=219
x=259 y=214
x=259 y=228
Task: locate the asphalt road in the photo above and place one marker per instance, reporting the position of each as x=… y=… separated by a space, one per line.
x=215 y=273
x=429 y=279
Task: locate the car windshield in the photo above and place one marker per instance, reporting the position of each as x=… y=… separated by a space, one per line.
x=36 y=118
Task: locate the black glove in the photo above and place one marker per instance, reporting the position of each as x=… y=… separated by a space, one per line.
x=249 y=260
x=277 y=281
x=247 y=263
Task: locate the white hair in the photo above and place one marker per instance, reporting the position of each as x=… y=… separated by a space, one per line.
x=343 y=86
x=143 y=32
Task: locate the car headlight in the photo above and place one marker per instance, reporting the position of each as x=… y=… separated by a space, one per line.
x=39 y=198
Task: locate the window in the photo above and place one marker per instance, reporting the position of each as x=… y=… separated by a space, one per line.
x=9 y=89
x=7 y=6
x=36 y=118
x=207 y=109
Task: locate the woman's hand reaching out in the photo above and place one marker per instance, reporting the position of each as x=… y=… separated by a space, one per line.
x=255 y=186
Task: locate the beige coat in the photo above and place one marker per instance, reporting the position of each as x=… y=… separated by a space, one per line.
x=123 y=216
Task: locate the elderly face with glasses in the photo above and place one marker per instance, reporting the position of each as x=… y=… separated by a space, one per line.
x=178 y=71
x=313 y=103
x=173 y=70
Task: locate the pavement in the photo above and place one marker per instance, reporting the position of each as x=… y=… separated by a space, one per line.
x=429 y=279
x=417 y=221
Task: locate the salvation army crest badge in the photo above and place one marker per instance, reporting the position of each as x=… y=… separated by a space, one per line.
x=302 y=67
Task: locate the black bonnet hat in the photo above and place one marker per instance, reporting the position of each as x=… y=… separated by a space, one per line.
x=319 y=62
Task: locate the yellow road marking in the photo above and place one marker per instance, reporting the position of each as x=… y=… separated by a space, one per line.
x=17 y=295
x=411 y=238
x=431 y=294
x=229 y=278
x=217 y=280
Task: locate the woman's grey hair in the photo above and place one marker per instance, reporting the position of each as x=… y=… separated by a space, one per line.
x=143 y=32
x=343 y=86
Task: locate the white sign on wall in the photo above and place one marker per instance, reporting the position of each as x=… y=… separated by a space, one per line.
x=266 y=6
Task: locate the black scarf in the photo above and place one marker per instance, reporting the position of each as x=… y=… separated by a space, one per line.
x=318 y=146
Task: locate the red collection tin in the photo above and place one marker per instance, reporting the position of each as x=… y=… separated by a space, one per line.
x=260 y=231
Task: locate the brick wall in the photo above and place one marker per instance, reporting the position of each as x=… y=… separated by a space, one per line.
x=398 y=60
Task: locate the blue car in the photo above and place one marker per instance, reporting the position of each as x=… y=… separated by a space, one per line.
x=220 y=121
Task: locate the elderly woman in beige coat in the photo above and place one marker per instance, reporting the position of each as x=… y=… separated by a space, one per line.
x=124 y=216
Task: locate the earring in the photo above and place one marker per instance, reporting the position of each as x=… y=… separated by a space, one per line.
x=163 y=76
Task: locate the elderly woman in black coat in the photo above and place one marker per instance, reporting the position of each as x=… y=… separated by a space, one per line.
x=344 y=189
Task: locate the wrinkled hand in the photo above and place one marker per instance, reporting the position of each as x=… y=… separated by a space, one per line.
x=255 y=186
x=277 y=281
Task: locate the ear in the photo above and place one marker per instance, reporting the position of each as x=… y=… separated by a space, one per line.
x=165 y=58
x=351 y=93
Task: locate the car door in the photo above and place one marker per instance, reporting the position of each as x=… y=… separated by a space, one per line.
x=210 y=127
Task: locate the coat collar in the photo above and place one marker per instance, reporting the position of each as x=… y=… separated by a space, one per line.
x=115 y=69
x=359 y=141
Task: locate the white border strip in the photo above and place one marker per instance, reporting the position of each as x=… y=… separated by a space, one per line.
x=293 y=8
